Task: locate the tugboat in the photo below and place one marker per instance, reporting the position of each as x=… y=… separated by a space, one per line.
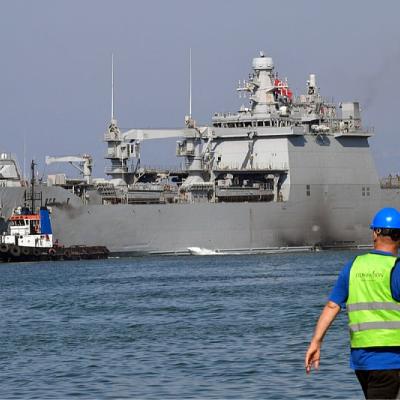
x=30 y=238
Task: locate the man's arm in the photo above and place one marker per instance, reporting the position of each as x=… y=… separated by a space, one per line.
x=328 y=315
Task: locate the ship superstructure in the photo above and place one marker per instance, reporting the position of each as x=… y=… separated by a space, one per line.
x=242 y=156
x=284 y=171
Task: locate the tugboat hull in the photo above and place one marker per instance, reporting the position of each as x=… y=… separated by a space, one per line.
x=14 y=253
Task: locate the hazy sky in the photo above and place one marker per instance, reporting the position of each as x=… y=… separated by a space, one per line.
x=56 y=55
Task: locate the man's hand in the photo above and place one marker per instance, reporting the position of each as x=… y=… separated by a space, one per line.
x=312 y=356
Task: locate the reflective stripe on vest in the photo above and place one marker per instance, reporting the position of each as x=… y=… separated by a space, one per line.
x=374 y=316
x=365 y=326
x=377 y=305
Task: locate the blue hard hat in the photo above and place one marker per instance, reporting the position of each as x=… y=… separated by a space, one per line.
x=386 y=218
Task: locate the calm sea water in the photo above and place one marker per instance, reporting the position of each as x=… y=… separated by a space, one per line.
x=233 y=327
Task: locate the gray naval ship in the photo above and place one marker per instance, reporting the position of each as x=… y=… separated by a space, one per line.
x=286 y=172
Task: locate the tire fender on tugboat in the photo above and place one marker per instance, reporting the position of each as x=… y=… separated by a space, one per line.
x=15 y=251
x=25 y=251
x=36 y=252
x=4 y=247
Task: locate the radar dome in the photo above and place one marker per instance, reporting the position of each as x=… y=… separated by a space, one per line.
x=263 y=63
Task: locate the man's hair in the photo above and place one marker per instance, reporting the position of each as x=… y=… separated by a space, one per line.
x=394 y=234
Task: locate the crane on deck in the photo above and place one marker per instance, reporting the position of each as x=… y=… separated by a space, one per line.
x=83 y=163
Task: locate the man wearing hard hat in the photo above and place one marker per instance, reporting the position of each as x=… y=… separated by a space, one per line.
x=369 y=288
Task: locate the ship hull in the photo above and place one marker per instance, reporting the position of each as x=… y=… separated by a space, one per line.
x=230 y=227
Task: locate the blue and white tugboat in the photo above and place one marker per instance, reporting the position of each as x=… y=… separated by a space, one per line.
x=29 y=236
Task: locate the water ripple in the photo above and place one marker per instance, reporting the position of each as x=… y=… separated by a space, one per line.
x=173 y=327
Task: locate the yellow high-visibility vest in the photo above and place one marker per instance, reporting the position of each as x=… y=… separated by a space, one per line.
x=374 y=316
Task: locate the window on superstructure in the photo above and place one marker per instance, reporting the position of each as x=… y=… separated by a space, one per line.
x=308 y=190
x=260 y=123
x=367 y=191
x=363 y=191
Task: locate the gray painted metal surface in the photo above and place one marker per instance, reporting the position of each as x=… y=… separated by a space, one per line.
x=285 y=172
